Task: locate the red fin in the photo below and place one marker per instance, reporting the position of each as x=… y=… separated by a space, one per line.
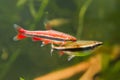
x=45 y=42
x=20 y=32
x=36 y=39
x=19 y=29
x=19 y=37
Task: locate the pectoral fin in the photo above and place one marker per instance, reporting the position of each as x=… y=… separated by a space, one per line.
x=44 y=43
x=71 y=57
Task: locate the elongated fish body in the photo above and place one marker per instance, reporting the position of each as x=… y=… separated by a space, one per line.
x=78 y=48
x=46 y=36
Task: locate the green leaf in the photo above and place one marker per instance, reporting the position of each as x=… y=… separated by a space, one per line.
x=22 y=78
x=21 y=2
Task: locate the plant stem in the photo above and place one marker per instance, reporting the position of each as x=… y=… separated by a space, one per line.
x=8 y=64
x=39 y=13
x=32 y=9
x=81 y=17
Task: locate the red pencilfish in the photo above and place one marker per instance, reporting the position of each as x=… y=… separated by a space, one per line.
x=46 y=36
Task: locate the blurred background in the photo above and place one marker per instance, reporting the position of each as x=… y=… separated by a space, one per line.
x=85 y=19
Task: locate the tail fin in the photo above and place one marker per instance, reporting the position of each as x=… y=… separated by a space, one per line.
x=20 y=31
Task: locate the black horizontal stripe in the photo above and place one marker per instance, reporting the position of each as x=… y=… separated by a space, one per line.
x=79 y=48
x=47 y=37
x=51 y=38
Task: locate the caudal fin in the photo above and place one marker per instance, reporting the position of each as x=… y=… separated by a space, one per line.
x=20 y=34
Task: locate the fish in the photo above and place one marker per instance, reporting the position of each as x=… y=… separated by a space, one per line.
x=46 y=36
x=78 y=48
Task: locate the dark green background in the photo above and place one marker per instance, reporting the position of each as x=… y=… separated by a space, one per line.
x=27 y=59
